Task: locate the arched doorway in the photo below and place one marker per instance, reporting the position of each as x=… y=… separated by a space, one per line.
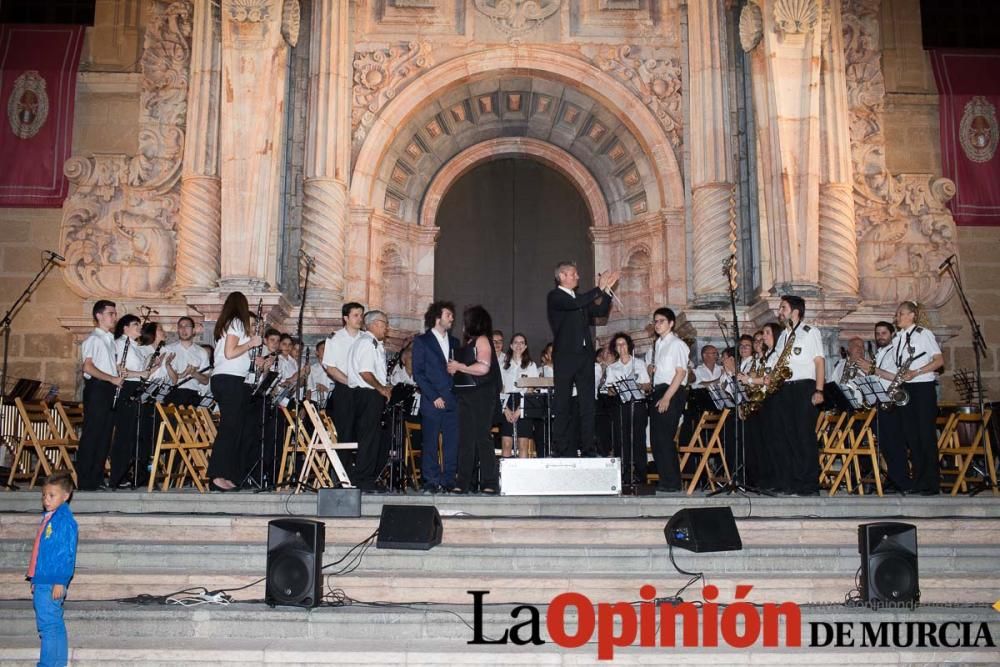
x=503 y=226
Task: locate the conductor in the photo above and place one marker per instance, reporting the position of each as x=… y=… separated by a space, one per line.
x=570 y=316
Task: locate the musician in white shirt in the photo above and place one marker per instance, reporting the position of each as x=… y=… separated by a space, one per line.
x=130 y=353
x=670 y=358
x=318 y=384
x=340 y=403
x=100 y=377
x=516 y=364
x=188 y=368
x=366 y=375
x=709 y=371
x=628 y=420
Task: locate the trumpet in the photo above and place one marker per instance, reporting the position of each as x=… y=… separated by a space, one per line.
x=121 y=372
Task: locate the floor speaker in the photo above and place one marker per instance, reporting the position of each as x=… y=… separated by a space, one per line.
x=294 y=562
x=702 y=529
x=409 y=527
x=888 y=563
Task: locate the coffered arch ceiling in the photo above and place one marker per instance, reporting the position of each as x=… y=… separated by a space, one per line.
x=516 y=105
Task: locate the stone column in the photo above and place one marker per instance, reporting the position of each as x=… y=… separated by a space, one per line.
x=199 y=228
x=328 y=148
x=838 y=244
x=254 y=81
x=785 y=42
x=712 y=186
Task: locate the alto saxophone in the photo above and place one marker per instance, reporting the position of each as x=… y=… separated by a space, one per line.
x=779 y=375
x=898 y=396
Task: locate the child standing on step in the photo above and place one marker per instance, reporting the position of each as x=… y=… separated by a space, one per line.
x=53 y=561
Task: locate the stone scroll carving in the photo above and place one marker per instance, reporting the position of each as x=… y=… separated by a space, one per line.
x=517 y=17
x=378 y=76
x=118 y=226
x=656 y=81
x=904 y=228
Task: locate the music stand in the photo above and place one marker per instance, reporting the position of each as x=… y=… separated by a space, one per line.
x=846 y=396
x=543 y=388
x=722 y=400
x=628 y=392
x=872 y=391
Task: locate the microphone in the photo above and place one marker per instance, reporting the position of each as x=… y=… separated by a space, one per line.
x=947 y=262
x=54 y=255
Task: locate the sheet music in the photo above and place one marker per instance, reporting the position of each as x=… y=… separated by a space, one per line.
x=872 y=390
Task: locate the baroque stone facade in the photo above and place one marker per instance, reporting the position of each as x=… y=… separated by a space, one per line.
x=634 y=104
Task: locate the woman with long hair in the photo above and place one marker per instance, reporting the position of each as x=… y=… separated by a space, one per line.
x=628 y=421
x=233 y=343
x=768 y=463
x=516 y=365
x=477 y=382
x=126 y=414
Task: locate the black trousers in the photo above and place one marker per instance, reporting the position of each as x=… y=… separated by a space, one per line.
x=367 y=407
x=893 y=448
x=340 y=407
x=605 y=426
x=754 y=472
x=918 y=427
x=569 y=371
x=796 y=419
x=662 y=430
x=475 y=443
x=183 y=396
x=628 y=427
x=95 y=439
x=233 y=398
x=126 y=416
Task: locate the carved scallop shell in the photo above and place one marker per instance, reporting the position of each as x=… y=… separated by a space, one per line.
x=751 y=27
x=795 y=16
x=291 y=17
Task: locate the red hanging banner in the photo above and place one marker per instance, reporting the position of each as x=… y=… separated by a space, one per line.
x=38 y=66
x=968 y=84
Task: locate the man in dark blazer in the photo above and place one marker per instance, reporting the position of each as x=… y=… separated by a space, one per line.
x=570 y=316
x=438 y=405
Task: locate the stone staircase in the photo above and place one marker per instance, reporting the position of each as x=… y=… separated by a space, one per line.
x=522 y=550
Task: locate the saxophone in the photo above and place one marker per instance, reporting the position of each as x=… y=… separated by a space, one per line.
x=898 y=396
x=779 y=375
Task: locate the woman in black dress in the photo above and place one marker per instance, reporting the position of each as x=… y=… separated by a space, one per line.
x=477 y=384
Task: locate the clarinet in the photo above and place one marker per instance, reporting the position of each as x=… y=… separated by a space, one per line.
x=258 y=329
x=121 y=373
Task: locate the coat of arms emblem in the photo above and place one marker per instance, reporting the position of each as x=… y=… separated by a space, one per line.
x=28 y=105
x=978 y=130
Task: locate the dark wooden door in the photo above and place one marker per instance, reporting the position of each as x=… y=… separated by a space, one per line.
x=504 y=226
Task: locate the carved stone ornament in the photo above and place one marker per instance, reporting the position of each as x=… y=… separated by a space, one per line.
x=378 y=76
x=794 y=17
x=751 y=27
x=517 y=17
x=118 y=225
x=978 y=130
x=657 y=82
x=250 y=11
x=291 y=18
x=904 y=226
x=28 y=105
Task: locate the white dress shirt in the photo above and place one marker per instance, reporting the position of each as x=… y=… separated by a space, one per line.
x=635 y=369
x=240 y=365
x=338 y=349
x=807 y=346
x=99 y=347
x=670 y=353
x=916 y=340
x=367 y=355
x=136 y=359
x=185 y=355
x=443 y=343
x=885 y=360
x=703 y=376
x=511 y=375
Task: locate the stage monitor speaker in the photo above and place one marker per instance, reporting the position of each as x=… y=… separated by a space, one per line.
x=339 y=502
x=294 y=562
x=888 y=563
x=703 y=529
x=415 y=527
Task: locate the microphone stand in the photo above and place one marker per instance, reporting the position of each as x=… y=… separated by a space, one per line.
x=11 y=313
x=299 y=326
x=978 y=349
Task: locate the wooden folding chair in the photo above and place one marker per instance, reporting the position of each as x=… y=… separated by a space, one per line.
x=411 y=454
x=706 y=441
x=964 y=446
x=831 y=438
x=296 y=442
x=853 y=441
x=322 y=453
x=70 y=419
x=177 y=446
x=40 y=440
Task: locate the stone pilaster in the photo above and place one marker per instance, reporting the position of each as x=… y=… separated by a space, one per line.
x=199 y=227
x=328 y=147
x=254 y=82
x=712 y=186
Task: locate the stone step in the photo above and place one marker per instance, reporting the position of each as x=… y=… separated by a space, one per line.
x=150 y=652
x=513 y=561
x=451 y=623
x=282 y=504
x=442 y=588
x=498 y=531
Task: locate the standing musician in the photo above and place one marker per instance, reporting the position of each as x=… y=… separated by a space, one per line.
x=516 y=365
x=151 y=341
x=366 y=376
x=100 y=377
x=917 y=419
x=570 y=317
x=629 y=437
x=438 y=403
x=133 y=361
x=798 y=399
x=230 y=390
x=259 y=437
x=340 y=403
x=763 y=425
x=318 y=384
x=670 y=374
x=188 y=368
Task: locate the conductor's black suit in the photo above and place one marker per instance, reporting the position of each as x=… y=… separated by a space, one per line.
x=570 y=318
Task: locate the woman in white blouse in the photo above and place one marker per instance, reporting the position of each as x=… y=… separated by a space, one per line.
x=126 y=413
x=517 y=364
x=629 y=435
